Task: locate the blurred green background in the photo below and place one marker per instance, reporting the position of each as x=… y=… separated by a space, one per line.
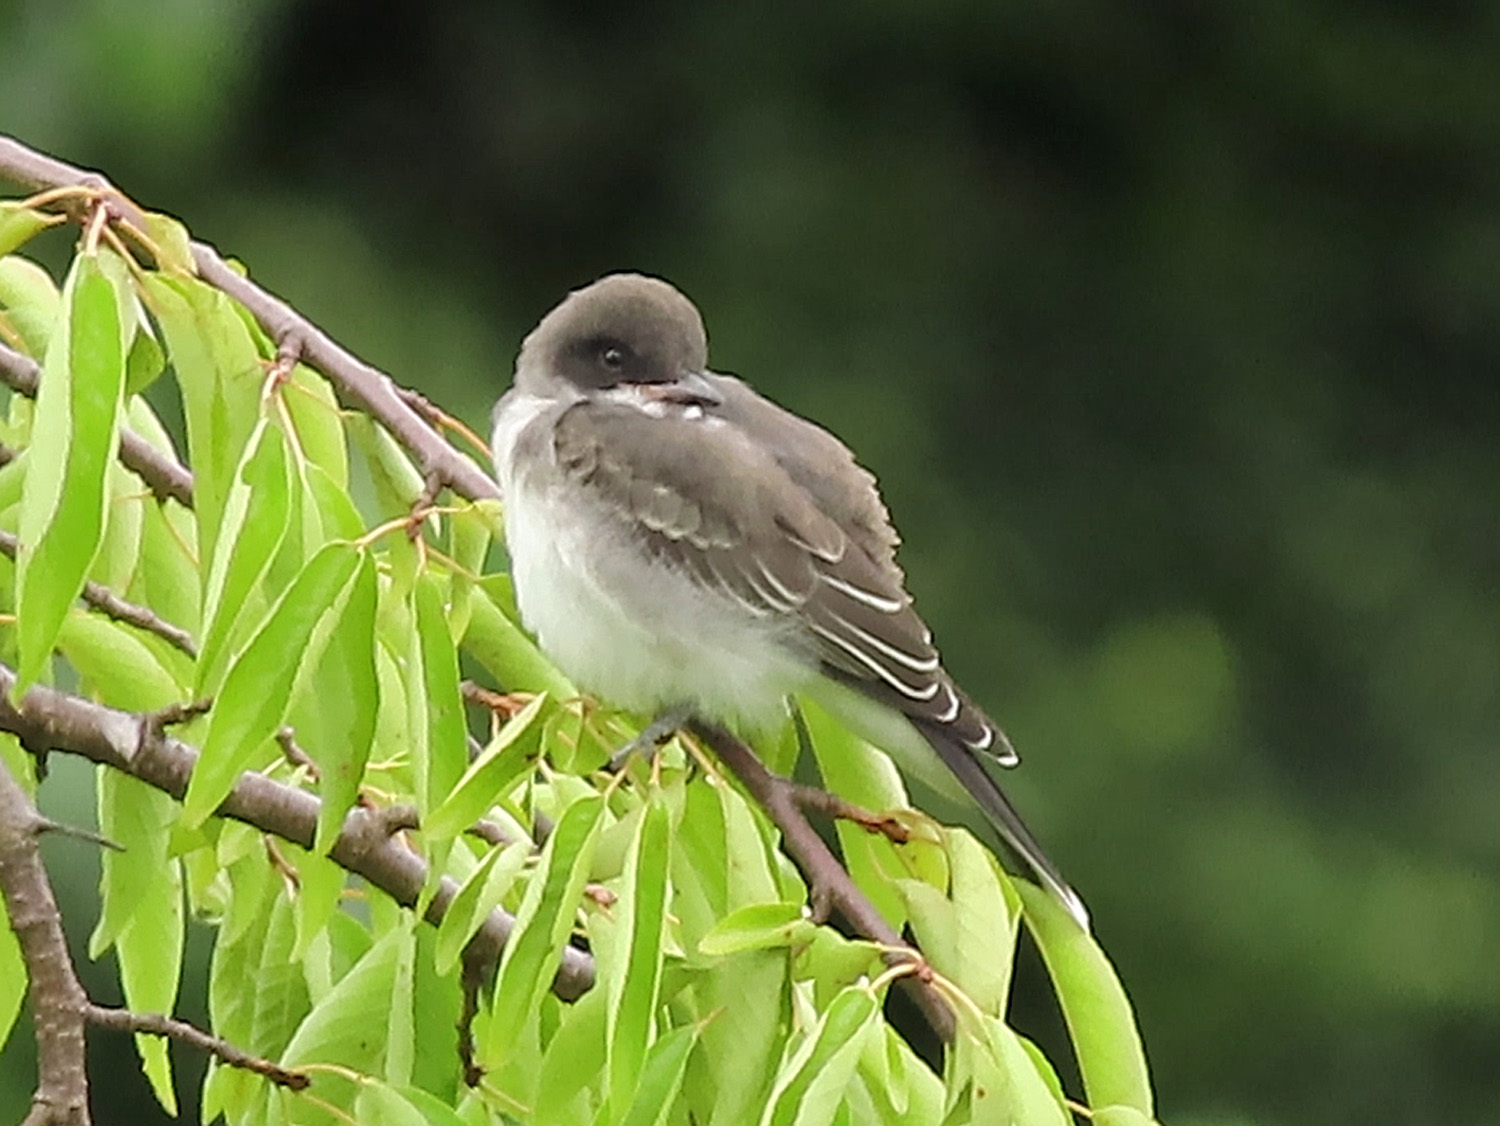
x=1172 y=331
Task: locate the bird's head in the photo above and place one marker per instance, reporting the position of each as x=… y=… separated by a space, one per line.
x=624 y=331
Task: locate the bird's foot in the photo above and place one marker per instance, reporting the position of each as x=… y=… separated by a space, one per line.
x=652 y=736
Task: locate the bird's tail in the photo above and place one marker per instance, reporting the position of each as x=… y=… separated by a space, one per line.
x=1021 y=853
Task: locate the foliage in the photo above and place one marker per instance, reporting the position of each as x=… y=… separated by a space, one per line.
x=329 y=611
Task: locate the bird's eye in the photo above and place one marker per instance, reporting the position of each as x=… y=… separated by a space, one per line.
x=613 y=358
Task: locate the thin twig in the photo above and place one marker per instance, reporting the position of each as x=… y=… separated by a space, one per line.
x=154 y=1024
x=106 y=601
x=829 y=884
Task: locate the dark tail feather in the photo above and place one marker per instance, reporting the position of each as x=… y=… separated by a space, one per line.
x=1022 y=855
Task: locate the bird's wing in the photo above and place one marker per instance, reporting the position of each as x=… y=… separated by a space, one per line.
x=798 y=535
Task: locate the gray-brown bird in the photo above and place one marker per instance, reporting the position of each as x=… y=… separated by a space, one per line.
x=682 y=546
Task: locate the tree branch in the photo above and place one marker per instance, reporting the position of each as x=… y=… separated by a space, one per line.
x=296 y=337
x=57 y=999
x=47 y=719
x=830 y=885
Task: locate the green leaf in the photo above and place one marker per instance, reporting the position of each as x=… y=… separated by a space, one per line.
x=469 y=531
x=144 y=362
x=319 y=429
x=253 y=701
x=120 y=551
x=397 y=483
x=139 y=819
x=572 y=1064
x=73 y=442
x=149 y=950
x=343 y=691
x=219 y=373
x=441 y=751
x=351 y=1026
x=118 y=664
x=19 y=224
x=30 y=305
x=508 y=754
x=172 y=240
x=634 y=981
x=476 y=897
x=661 y=1078
x=542 y=925
x=167 y=577
x=813 y=1083
x=758 y=926
x=256 y=513
x=748 y=998
x=501 y=646
x=1100 y=1022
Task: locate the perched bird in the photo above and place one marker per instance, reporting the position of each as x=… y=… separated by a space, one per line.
x=684 y=547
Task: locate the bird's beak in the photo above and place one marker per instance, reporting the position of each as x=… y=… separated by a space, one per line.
x=691 y=388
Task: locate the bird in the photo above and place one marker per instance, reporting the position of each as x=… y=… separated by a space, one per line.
x=683 y=547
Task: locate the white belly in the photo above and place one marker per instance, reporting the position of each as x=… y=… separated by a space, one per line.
x=624 y=626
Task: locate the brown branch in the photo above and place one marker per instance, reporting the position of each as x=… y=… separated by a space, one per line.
x=107 y=602
x=365 y=386
x=57 y=999
x=161 y=473
x=47 y=719
x=829 y=884
x=154 y=1024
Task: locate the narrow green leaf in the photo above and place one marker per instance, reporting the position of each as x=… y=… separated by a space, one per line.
x=507 y=755
x=350 y=1026
x=542 y=925
x=397 y=483
x=742 y=1045
x=502 y=647
x=253 y=701
x=469 y=531
x=172 y=240
x=344 y=692
x=254 y=524
x=120 y=550
x=144 y=362
x=1100 y=1022
x=480 y=894
x=167 y=577
x=29 y=305
x=661 y=1078
x=73 y=442
x=139 y=819
x=118 y=664
x=443 y=754
x=19 y=224
x=812 y=1085
x=572 y=1065
x=219 y=372
x=634 y=982
x=319 y=428
x=149 y=950
x=758 y=926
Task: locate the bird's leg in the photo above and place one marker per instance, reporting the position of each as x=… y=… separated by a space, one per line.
x=652 y=736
